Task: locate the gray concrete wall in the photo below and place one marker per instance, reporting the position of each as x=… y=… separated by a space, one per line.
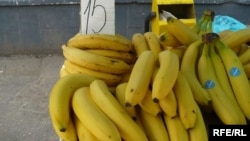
x=42 y=26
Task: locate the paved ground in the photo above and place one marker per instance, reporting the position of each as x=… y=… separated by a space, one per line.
x=25 y=83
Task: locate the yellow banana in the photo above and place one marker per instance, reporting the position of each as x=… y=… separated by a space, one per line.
x=247 y=70
x=90 y=115
x=185 y=102
x=139 y=43
x=104 y=99
x=149 y=106
x=168 y=104
x=69 y=135
x=140 y=78
x=166 y=76
x=94 y=61
x=154 y=126
x=225 y=33
x=245 y=57
x=127 y=57
x=237 y=38
x=168 y=39
x=221 y=104
x=176 y=129
x=100 y=41
x=63 y=72
x=110 y=79
x=181 y=31
x=83 y=133
x=237 y=76
x=120 y=96
x=199 y=131
x=153 y=43
x=243 y=48
x=188 y=69
x=60 y=98
x=179 y=51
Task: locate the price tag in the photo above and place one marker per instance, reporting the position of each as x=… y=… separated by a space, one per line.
x=97 y=16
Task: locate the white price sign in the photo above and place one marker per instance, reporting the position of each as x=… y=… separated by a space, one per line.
x=97 y=16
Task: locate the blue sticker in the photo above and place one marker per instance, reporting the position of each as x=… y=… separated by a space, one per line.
x=209 y=84
x=234 y=71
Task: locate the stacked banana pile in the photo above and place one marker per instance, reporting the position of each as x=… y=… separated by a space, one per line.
x=163 y=84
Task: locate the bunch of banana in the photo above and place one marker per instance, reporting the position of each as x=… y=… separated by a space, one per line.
x=106 y=57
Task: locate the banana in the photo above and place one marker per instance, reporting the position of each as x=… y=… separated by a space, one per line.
x=221 y=104
x=154 y=126
x=104 y=99
x=83 y=133
x=168 y=39
x=94 y=61
x=245 y=57
x=185 y=102
x=199 y=131
x=181 y=31
x=179 y=51
x=127 y=57
x=149 y=106
x=188 y=69
x=139 y=43
x=175 y=128
x=63 y=72
x=90 y=115
x=243 y=48
x=247 y=70
x=225 y=33
x=237 y=76
x=166 y=75
x=140 y=78
x=153 y=42
x=100 y=41
x=60 y=98
x=120 y=96
x=237 y=38
x=168 y=105
x=222 y=78
x=110 y=79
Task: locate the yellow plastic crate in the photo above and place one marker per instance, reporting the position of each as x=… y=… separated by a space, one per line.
x=182 y=9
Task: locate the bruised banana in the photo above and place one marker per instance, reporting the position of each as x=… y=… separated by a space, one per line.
x=185 y=102
x=94 y=61
x=166 y=76
x=60 y=98
x=110 y=79
x=92 y=117
x=101 y=41
x=153 y=43
x=154 y=126
x=139 y=43
x=168 y=104
x=104 y=99
x=237 y=76
x=127 y=57
x=140 y=78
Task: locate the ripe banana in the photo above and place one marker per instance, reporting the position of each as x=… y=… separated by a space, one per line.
x=149 y=106
x=101 y=41
x=83 y=133
x=139 y=43
x=199 y=131
x=166 y=76
x=63 y=72
x=154 y=126
x=153 y=43
x=247 y=70
x=127 y=57
x=168 y=105
x=110 y=79
x=179 y=51
x=221 y=104
x=140 y=78
x=225 y=33
x=60 y=98
x=168 y=39
x=181 y=31
x=120 y=96
x=188 y=69
x=176 y=129
x=104 y=99
x=237 y=76
x=237 y=38
x=94 y=61
x=245 y=57
x=185 y=102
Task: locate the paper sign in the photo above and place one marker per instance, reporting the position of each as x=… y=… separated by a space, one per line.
x=97 y=16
